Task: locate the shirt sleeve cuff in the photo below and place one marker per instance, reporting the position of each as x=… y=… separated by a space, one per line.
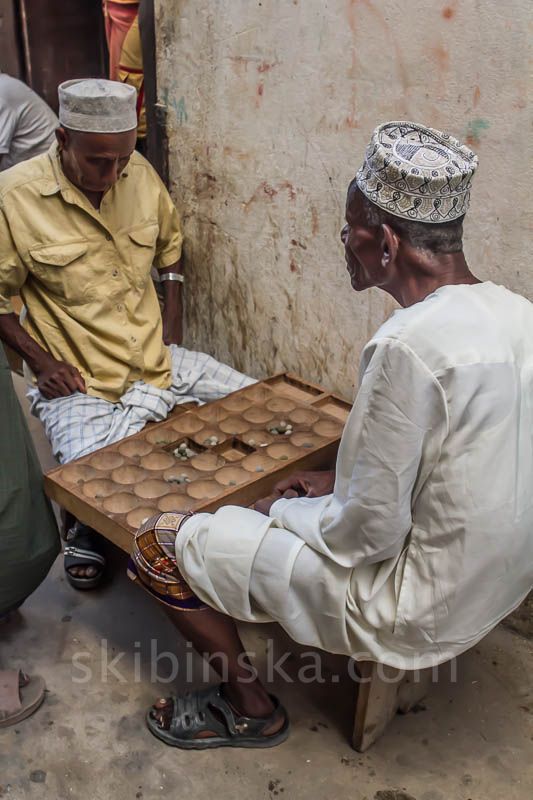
x=276 y=509
x=168 y=258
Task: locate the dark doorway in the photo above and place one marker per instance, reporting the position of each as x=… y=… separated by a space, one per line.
x=45 y=43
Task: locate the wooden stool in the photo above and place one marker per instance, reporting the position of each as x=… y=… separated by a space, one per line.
x=381 y=692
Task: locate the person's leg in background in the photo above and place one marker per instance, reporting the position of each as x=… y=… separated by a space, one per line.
x=29 y=539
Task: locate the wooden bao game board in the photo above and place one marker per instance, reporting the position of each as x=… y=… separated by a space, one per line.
x=228 y=452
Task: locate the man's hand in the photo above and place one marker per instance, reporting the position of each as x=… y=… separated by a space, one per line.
x=58 y=379
x=172 y=325
x=265 y=504
x=307 y=484
x=301 y=484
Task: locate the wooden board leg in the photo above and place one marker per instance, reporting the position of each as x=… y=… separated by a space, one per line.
x=376 y=704
x=413 y=689
x=382 y=691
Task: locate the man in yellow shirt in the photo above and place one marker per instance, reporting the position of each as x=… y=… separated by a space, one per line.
x=80 y=228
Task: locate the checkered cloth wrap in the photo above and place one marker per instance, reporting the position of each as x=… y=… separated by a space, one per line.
x=153 y=562
x=79 y=424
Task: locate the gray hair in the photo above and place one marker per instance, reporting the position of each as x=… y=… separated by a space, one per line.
x=439 y=237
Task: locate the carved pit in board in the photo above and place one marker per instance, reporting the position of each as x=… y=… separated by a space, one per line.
x=121 y=503
x=257 y=437
x=106 y=460
x=258 y=462
x=203 y=490
x=328 y=428
x=187 y=424
x=155 y=462
x=128 y=475
x=152 y=489
x=303 y=416
x=79 y=473
x=139 y=516
x=334 y=406
x=213 y=415
x=294 y=388
x=281 y=405
x=134 y=447
x=232 y=476
x=190 y=444
x=162 y=436
x=204 y=437
x=233 y=450
x=284 y=451
x=306 y=440
x=259 y=393
x=207 y=462
x=177 y=502
x=234 y=425
x=99 y=488
x=258 y=415
x=180 y=471
x=236 y=403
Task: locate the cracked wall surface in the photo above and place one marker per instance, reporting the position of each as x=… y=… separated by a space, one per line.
x=270 y=106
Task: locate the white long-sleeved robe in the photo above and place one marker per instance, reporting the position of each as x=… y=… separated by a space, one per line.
x=427 y=541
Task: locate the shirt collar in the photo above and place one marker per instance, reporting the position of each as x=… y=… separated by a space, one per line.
x=53 y=184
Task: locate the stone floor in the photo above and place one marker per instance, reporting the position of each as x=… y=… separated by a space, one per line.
x=471 y=740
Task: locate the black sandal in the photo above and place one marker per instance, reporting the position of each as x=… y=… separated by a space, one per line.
x=80 y=551
x=193 y=713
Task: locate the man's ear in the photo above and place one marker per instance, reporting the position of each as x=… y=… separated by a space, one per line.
x=62 y=138
x=389 y=246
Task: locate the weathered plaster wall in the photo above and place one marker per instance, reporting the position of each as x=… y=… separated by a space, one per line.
x=270 y=105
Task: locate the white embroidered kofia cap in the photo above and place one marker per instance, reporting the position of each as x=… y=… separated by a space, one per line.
x=417 y=173
x=95 y=105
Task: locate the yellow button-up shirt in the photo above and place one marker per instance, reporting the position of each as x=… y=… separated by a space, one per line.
x=84 y=275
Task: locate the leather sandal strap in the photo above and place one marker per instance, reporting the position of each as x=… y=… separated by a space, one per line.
x=10 y=700
x=193 y=713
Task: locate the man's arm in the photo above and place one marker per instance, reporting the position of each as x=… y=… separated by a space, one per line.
x=391 y=443
x=54 y=378
x=172 y=306
x=168 y=258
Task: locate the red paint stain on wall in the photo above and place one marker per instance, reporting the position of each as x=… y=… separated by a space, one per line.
x=477 y=96
x=265 y=188
x=448 y=12
x=442 y=57
x=266 y=66
x=239 y=62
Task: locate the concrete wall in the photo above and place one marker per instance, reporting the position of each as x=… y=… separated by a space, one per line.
x=270 y=106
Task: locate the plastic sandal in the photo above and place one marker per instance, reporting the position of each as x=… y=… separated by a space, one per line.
x=193 y=714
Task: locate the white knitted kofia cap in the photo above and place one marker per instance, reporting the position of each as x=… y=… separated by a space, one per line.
x=95 y=105
x=417 y=173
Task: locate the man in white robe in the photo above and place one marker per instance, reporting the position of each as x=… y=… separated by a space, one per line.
x=421 y=541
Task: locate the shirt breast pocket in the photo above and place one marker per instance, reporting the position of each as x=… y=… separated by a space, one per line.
x=142 y=252
x=62 y=270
